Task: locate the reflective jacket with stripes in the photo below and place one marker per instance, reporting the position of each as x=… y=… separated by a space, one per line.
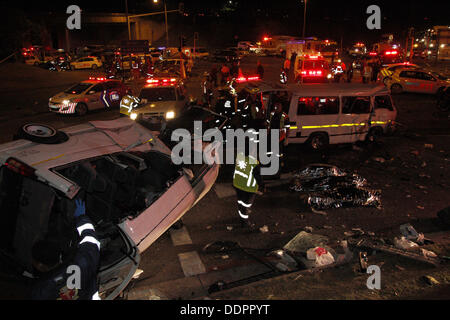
x=54 y=286
x=247 y=174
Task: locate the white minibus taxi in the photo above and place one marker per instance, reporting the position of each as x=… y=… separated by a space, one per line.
x=323 y=114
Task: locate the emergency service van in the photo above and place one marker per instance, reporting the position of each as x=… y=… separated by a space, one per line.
x=323 y=114
x=339 y=113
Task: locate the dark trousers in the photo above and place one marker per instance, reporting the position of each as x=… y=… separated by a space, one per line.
x=244 y=202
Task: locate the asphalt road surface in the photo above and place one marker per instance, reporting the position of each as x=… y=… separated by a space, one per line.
x=413 y=178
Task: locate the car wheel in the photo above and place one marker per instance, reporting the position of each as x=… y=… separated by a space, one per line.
x=41 y=133
x=94 y=66
x=319 y=141
x=385 y=80
x=396 y=88
x=81 y=109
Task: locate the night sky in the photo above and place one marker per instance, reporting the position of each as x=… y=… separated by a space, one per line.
x=250 y=19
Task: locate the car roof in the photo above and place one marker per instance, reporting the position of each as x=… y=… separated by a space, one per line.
x=320 y=89
x=88 y=140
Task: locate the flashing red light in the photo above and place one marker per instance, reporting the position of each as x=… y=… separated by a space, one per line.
x=244 y=79
x=267 y=38
x=313 y=57
x=388 y=53
x=97 y=79
x=173 y=80
x=372 y=54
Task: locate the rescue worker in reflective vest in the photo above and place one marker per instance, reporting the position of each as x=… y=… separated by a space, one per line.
x=128 y=103
x=75 y=280
x=247 y=181
x=279 y=121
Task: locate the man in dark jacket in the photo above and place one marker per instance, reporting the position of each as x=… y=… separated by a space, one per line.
x=75 y=280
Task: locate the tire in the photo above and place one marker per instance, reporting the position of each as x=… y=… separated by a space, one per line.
x=41 y=133
x=396 y=88
x=81 y=109
x=319 y=141
x=385 y=80
x=94 y=66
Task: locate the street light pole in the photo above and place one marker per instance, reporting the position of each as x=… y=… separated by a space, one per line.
x=304 y=20
x=167 y=28
x=128 y=20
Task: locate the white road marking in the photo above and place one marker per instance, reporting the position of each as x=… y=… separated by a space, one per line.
x=180 y=237
x=191 y=263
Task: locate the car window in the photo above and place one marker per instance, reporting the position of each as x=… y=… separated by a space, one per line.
x=112 y=85
x=318 y=105
x=158 y=94
x=356 y=105
x=383 y=102
x=408 y=74
x=314 y=64
x=426 y=76
x=98 y=88
x=78 y=88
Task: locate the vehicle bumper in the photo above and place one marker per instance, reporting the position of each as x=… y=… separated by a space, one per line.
x=62 y=108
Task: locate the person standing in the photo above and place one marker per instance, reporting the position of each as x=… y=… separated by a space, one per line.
x=225 y=71
x=213 y=75
x=260 y=70
x=247 y=182
x=54 y=284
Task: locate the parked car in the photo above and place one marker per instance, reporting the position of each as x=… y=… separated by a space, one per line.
x=132 y=190
x=225 y=56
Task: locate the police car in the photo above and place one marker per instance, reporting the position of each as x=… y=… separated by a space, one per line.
x=133 y=193
x=95 y=93
x=86 y=63
x=387 y=71
x=416 y=80
x=161 y=98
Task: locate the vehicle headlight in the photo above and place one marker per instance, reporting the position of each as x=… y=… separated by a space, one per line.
x=329 y=76
x=133 y=116
x=66 y=102
x=170 y=115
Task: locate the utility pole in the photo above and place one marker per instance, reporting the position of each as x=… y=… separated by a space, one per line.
x=304 y=20
x=167 y=28
x=128 y=19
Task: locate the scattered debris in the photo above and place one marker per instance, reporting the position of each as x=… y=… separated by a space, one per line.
x=137 y=273
x=415 y=152
x=405 y=244
x=428 y=254
x=208 y=227
x=264 y=229
x=330 y=187
x=424 y=164
x=430 y=280
x=363 y=261
x=309 y=229
x=420 y=207
x=319 y=212
x=379 y=159
x=303 y=241
x=229 y=228
x=321 y=256
x=400 y=268
x=225 y=257
x=285 y=262
x=298 y=277
x=408 y=231
x=429 y=146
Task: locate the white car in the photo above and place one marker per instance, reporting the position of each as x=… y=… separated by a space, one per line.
x=132 y=189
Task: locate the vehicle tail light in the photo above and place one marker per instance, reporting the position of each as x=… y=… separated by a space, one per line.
x=372 y=54
x=244 y=79
x=19 y=167
x=152 y=81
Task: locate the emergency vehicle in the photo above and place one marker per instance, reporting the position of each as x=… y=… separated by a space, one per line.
x=311 y=68
x=324 y=114
x=95 y=93
x=358 y=50
x=416 y=80
x=161 y=98
x=275 y=45
x=389 y=70
x=86 y=63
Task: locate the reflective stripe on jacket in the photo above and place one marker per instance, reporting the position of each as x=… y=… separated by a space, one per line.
x=243 y=177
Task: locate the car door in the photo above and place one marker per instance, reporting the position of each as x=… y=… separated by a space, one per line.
x=428 y=83
x=354 y=116
x=411 y=80
x=94 y=97
x=384 y=112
